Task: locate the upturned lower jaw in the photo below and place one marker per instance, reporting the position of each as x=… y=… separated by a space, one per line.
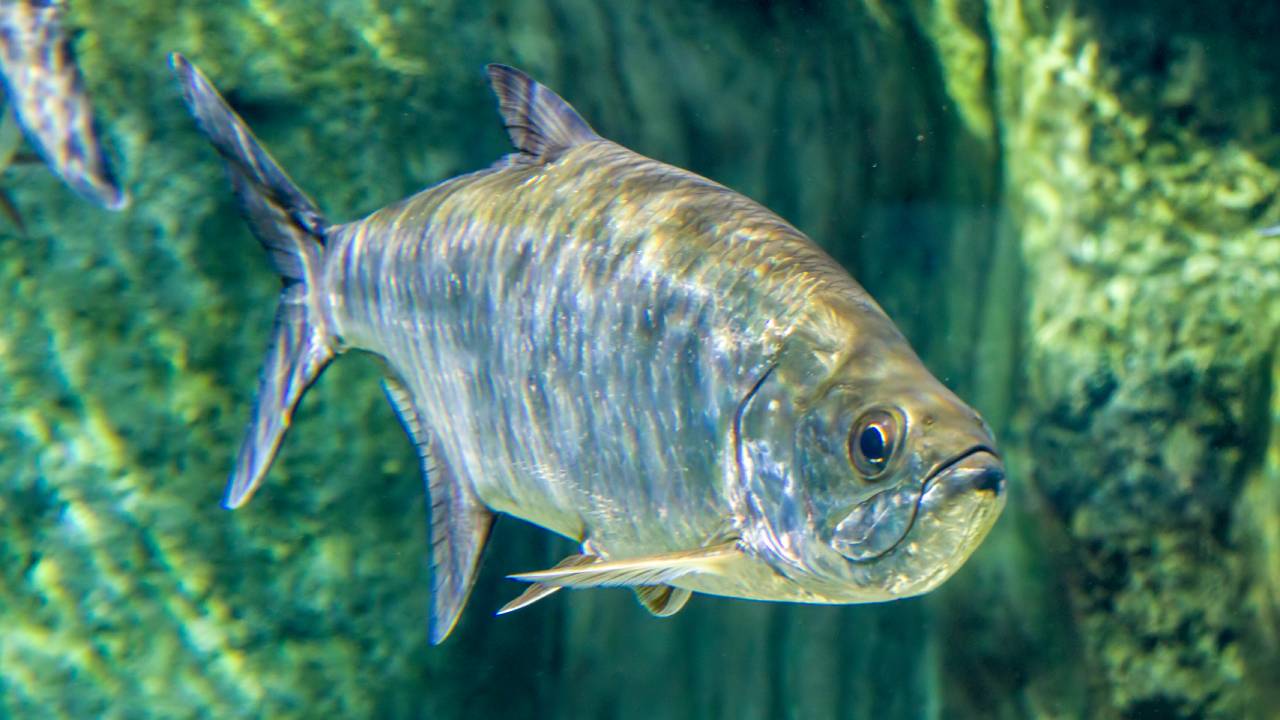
x=959 y=506
x=877 y=526
x=978 y=470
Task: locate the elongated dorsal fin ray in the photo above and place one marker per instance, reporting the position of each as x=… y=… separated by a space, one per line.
x=540 y=123
x=460 y=522
x=631 y=572
x=662 y=600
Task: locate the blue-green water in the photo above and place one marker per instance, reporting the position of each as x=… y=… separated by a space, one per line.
x=1057 y=202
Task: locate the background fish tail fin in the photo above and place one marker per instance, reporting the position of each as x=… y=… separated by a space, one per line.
x=292 y=230
x=48 y=98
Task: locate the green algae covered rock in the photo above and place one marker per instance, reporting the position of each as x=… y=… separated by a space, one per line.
x=1137 y=149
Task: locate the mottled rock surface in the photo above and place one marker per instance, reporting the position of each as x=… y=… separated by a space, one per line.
x=1137 y=144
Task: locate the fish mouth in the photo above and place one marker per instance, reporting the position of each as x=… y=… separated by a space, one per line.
x=881 y=524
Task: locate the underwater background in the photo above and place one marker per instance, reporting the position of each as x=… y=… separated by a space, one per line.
x=1057 y=201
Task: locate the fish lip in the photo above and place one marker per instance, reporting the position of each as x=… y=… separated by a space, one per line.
x=956 y=460
x=934 y=473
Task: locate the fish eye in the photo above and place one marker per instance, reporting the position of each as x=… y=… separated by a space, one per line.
x=873 y=441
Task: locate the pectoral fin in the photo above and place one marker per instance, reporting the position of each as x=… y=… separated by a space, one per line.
x=538 y=591
x=631 y=572
x=460 y=522
x=662 y=600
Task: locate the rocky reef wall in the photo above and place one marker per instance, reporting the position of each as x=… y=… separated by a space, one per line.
x=1137 y=147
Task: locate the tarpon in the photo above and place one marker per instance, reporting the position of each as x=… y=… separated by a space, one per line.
x=629 y=355
x=47 y=98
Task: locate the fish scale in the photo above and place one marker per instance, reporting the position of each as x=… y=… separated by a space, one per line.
x=560 y=280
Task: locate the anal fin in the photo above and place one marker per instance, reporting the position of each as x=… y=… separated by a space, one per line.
x=460 y=522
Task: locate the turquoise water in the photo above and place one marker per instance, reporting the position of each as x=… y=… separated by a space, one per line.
x=1056 y=202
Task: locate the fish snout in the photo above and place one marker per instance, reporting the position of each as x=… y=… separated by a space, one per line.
x=980 y=470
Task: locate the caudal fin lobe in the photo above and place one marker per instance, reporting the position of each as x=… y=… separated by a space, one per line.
x=292 y=230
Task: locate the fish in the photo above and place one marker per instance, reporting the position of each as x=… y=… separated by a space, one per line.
x=45 y=94
x=626 y=354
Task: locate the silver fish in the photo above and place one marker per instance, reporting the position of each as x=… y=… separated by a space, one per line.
x=46 y=93
x=629 y=355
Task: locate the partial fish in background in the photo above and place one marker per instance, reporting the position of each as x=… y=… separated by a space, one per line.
x=46 y=96
x=629 y=355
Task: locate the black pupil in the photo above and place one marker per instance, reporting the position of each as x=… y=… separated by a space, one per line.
x=872 y=444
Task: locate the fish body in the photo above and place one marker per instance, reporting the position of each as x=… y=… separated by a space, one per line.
x=46 y=93
x=627 y=354
x=588 y=343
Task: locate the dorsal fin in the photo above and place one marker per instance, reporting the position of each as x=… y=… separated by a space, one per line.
x=541 y=124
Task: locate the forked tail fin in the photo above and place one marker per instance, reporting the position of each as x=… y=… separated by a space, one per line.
x=292 y=230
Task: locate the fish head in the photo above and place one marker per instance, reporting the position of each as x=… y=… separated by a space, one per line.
x=874 y=483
